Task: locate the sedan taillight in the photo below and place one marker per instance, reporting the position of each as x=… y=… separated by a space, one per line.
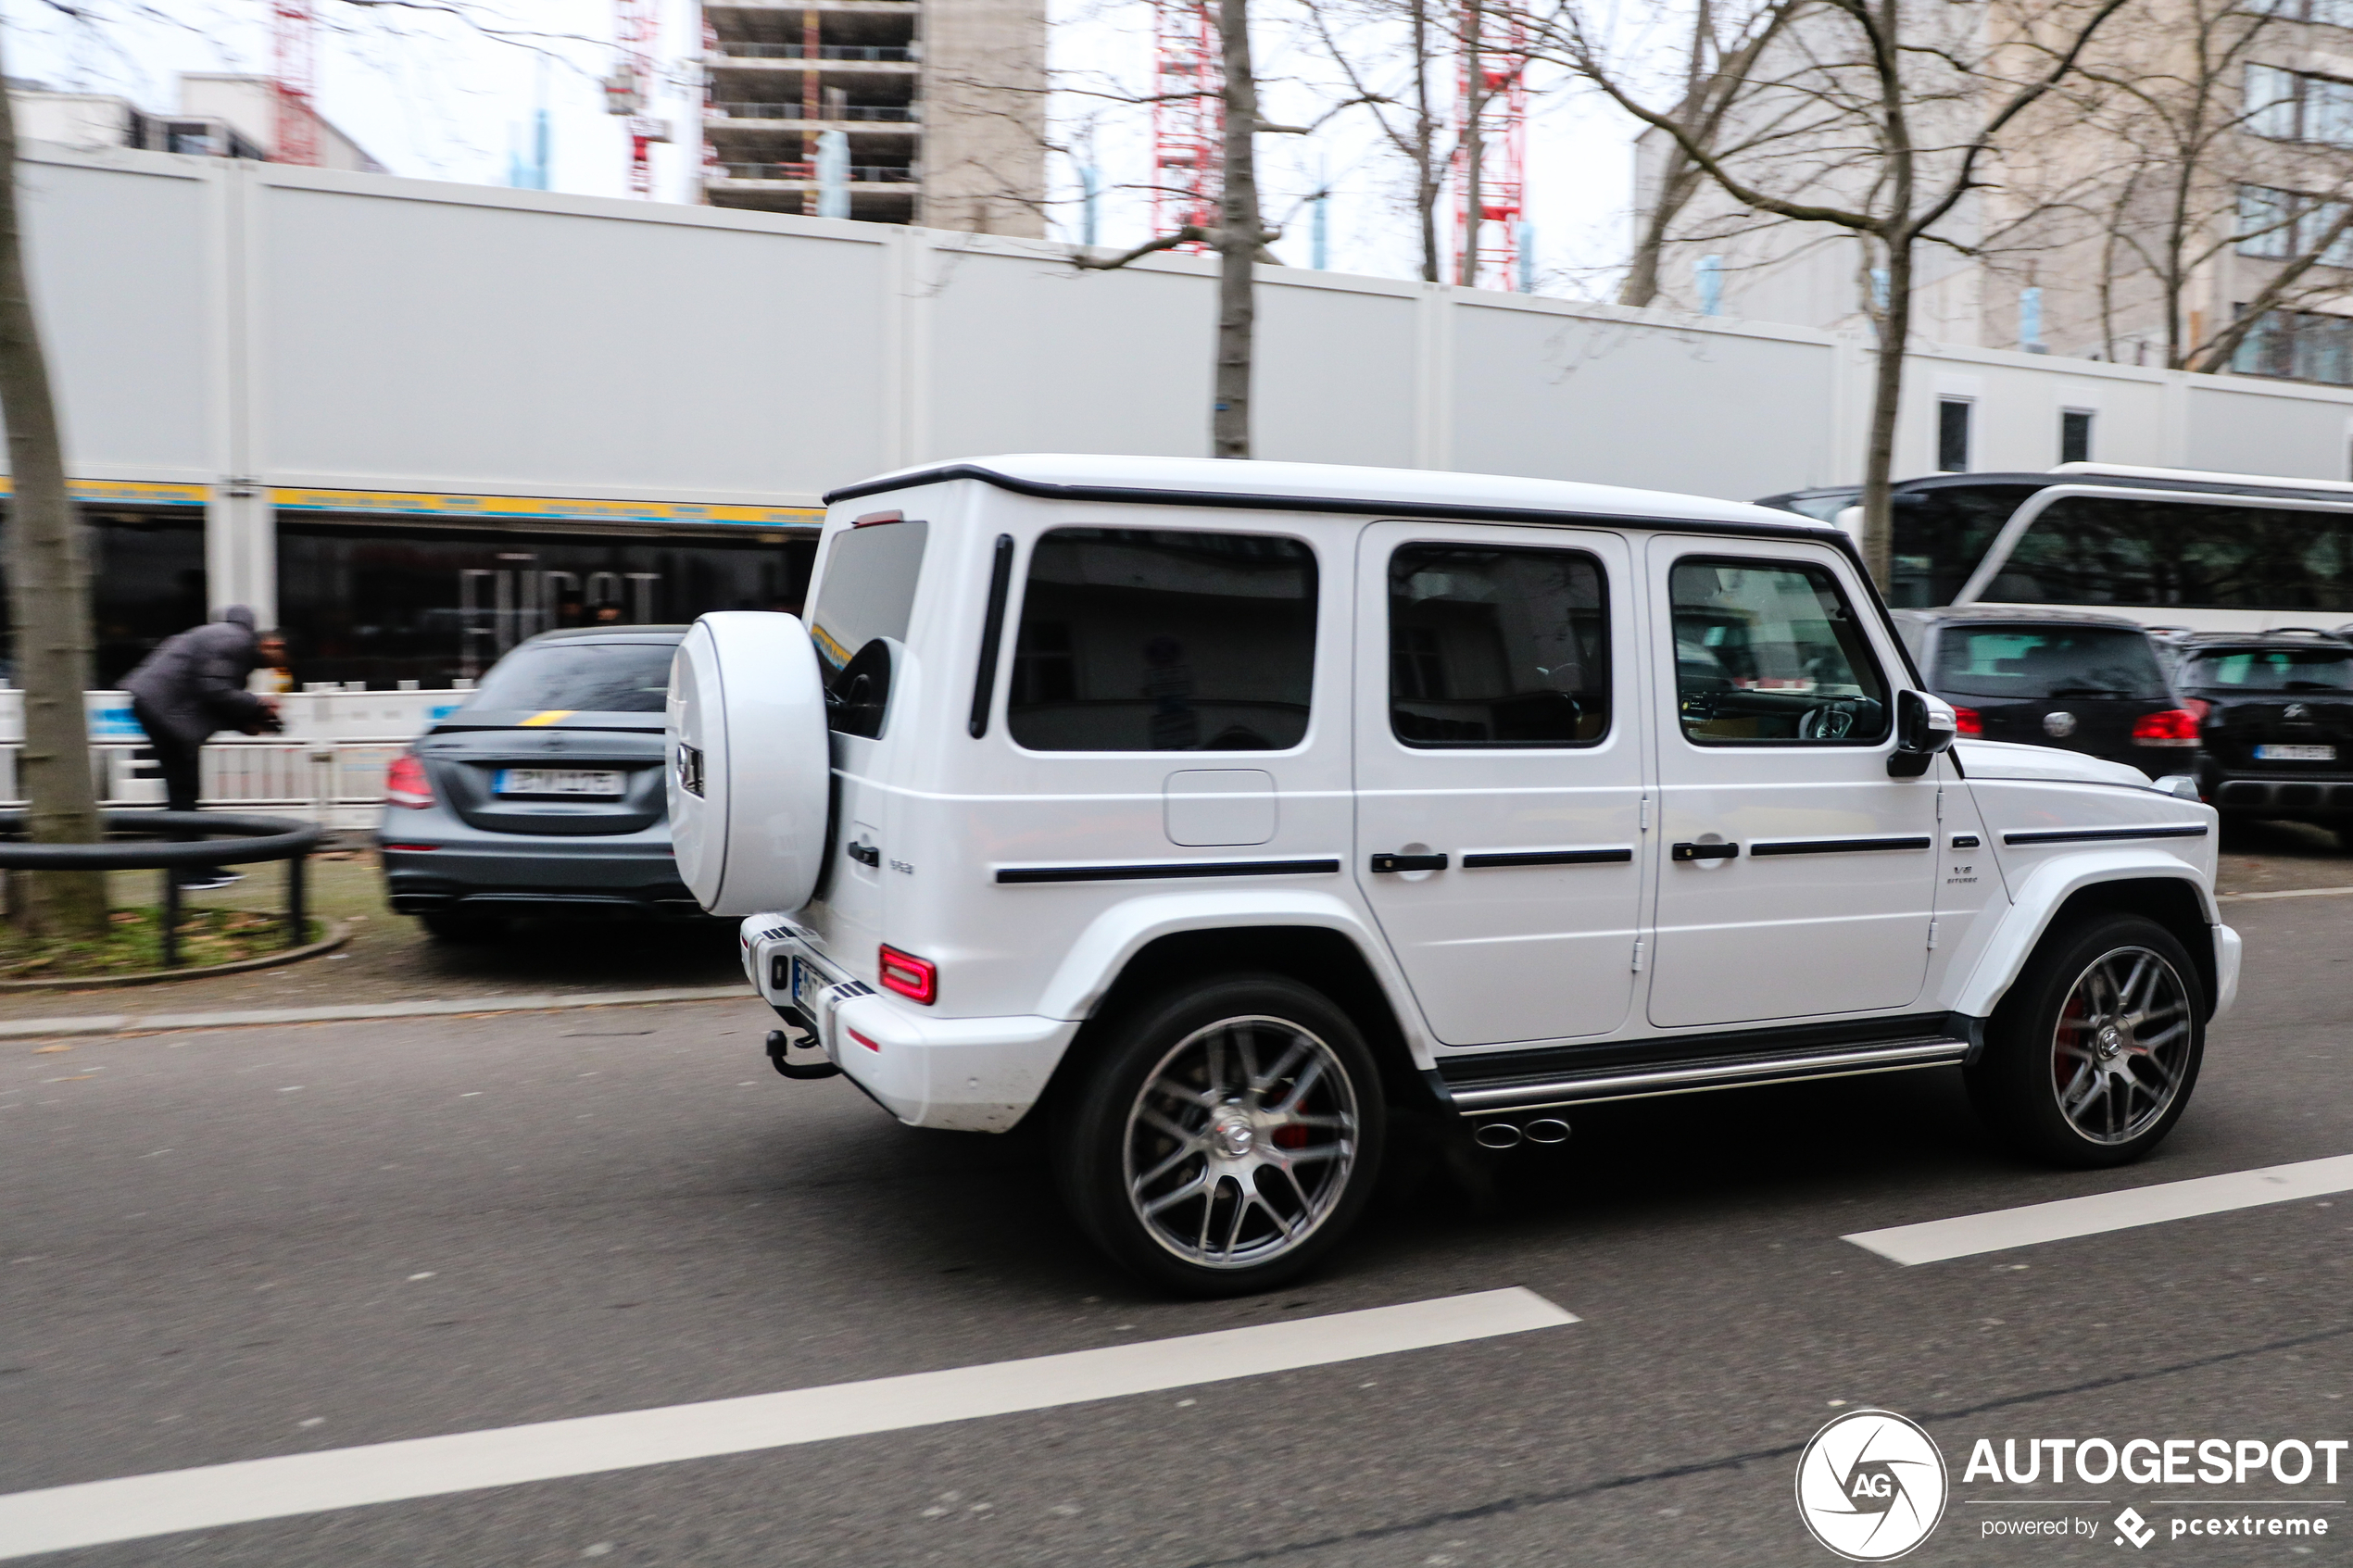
x=1967 y=722
x=405 y=782
x=2172 y=726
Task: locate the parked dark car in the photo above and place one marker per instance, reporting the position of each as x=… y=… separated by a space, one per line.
x=2075 y=680
x=541 y=794
x=2278 y=722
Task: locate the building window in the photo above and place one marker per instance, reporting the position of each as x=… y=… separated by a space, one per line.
x=2285 y=106
x=2298 y=345
x=1952 y=434
x=2267 y=221
x=2269 y=108
x=2075 y=435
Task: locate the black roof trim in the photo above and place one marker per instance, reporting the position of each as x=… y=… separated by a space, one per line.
x=1820 y=533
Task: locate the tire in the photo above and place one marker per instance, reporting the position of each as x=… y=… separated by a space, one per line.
x=1237 y=1194
x=459 y=929
x=2055 y=1081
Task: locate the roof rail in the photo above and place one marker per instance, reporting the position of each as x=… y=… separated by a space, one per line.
x=2204 y=476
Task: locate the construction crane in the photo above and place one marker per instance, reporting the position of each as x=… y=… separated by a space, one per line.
x=297 y=131
x=1491 y=116
x=1188 y=117
x=636 y=28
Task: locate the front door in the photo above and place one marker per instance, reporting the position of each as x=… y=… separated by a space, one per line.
x=1499 y=775
x=1795 y=877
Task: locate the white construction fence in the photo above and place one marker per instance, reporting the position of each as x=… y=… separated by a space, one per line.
x=327 y=767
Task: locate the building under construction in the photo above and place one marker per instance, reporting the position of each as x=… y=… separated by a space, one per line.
x=941 y=103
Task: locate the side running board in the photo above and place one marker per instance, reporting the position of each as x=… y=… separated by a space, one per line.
x=1488 y=1096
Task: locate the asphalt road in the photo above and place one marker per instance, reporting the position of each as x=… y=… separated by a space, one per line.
x=233 y=1245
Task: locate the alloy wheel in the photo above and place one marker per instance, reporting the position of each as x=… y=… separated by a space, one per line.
x=1241 y=1141
x=2122 y=1045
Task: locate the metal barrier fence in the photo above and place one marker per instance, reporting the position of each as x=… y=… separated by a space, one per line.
x=739 y=49
x=799 y=111
x=337 y=783
x=860 y=173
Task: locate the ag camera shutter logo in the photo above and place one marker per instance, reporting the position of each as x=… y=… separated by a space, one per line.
x=1871 y=1486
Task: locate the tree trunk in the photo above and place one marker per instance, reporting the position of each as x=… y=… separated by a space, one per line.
x=1887 y=392
x=1427 y=185
x=1240 y=239
x=49 y=597
x=1473 y=149
x=1677 y=181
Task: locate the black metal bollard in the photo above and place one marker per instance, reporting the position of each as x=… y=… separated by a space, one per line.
x=294 y=899
x=171 y=917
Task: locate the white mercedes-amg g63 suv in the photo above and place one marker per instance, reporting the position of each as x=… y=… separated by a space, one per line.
x=1215 y=811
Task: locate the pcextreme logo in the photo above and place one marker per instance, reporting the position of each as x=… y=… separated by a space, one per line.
x=1871 y=1486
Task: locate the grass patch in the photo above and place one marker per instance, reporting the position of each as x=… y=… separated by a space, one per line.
x=134 y=944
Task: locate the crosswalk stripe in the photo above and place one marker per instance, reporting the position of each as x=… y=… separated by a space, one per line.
x=2001 y=1229
x=136 y=1507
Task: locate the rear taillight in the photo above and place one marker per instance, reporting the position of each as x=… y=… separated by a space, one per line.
x=405 y=782
x=1967 y=722
x=2172 y=726
x=2198 y=706
x=913 y=978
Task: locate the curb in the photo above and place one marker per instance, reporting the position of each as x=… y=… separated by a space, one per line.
x=338 y=933
x=140 y=1024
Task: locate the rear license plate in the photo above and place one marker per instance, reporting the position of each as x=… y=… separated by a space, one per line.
x=2296 y=753
x=560 y=781
x=806 y=987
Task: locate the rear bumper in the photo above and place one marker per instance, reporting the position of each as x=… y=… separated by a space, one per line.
x=967 y=1074
x=585 y=877
x=2274 y=794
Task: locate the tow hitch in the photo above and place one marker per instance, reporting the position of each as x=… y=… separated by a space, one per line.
x=782 y=1040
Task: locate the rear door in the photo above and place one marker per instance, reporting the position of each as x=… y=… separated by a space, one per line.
x=1499 y=775
x=1795 y=877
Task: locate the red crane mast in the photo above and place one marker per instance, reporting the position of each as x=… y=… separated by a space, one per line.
x=1490 y=113
x=1188 y=117
x=296 y=131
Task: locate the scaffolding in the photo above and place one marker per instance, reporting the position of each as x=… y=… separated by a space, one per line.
x=1188 y=117
x=1491 y=117
x=297 y=131
x=637 y=25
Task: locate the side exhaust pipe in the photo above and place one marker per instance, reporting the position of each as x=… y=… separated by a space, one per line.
x=1500 y=1134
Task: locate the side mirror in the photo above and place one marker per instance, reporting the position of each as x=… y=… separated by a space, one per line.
x=1924 y=726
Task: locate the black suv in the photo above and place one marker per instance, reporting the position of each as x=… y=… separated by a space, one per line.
x=2075 y=680
x=2278 y=722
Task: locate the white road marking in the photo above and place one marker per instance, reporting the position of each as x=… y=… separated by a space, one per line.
x=2285 y=893
x=2001 y=1229
x=136 y=1507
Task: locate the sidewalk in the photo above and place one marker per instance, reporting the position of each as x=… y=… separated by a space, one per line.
x=391 y=961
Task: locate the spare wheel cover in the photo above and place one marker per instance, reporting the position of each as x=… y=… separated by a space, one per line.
x=747 y=722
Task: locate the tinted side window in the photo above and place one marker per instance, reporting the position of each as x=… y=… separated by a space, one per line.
x=1497 y=647
x=2024 y=662
x=865 y=592
x=2091 y=550
x=1769 y=651
x=1161 y=640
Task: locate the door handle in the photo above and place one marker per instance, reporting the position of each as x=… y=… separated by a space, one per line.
x=1705 y=852
x=1409 y=862
x=866 y=854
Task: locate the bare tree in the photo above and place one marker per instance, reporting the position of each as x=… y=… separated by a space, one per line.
x=1888 y=112
x=2219 y=207
x=48 y=593
x=1392 y=56
x=1241 y=238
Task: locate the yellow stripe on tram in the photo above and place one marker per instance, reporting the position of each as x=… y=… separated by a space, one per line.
x=551 y=716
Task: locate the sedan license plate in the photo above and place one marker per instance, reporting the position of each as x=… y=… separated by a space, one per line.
x=560 y=781
x=2296 y=753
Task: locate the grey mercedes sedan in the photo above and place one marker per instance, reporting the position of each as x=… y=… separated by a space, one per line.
x=541 y=794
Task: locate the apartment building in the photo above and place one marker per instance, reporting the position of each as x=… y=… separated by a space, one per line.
x=941 y=105
x=218 y=117
x=2205 y=218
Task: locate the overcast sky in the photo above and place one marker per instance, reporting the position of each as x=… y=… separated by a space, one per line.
x=430 y=89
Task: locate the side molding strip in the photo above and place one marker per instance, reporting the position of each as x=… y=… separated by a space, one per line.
x=2101 y=835
x=1167 y=869
x=1548 y=857
x=1838 y=845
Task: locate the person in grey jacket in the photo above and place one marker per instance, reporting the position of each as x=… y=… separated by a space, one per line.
x=193 y=684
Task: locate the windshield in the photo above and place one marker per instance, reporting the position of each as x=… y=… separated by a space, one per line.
x=2272 y=669
x=579 y=676
x=2027 y=663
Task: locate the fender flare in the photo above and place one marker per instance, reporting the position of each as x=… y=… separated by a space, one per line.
x=2039 y=898
x=1114 y=938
